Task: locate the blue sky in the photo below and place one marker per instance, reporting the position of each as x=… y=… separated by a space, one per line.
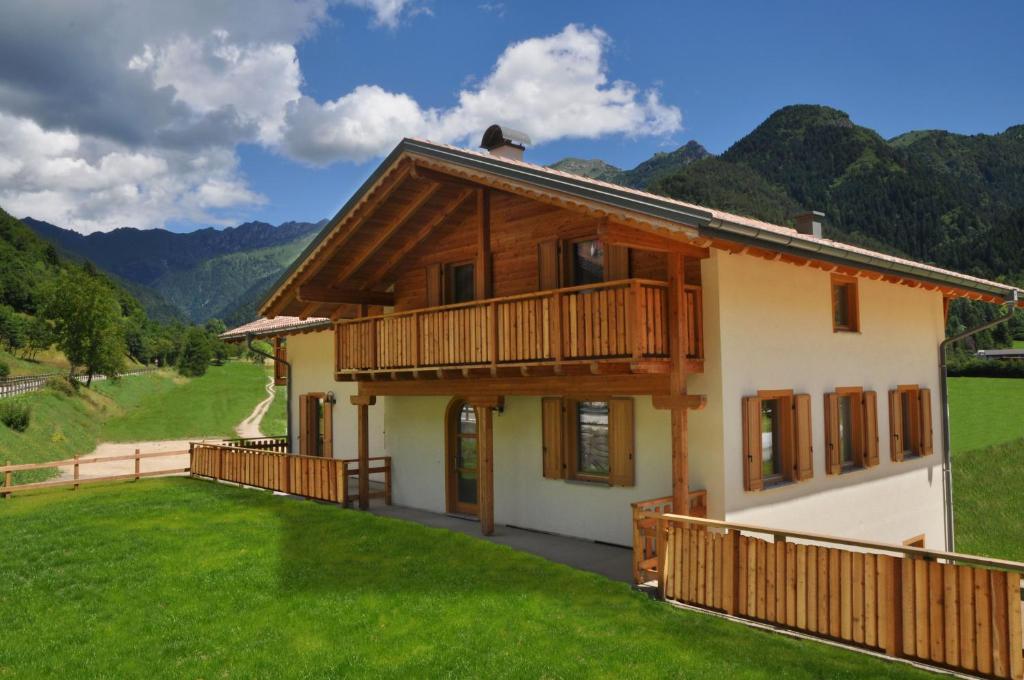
x=723 y=67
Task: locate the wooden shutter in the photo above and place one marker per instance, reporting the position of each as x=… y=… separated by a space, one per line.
x=553 y=439
x=328 y=428
x=435 y=285
x=752 y=444
x=547 y=264
x=924 y=400
x=833 y=461
x=803 y=448
x=621 y=463
x=895 y=426
x=617 y=263
x=869 y=406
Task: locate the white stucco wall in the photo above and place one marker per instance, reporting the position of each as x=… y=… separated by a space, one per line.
x=775 y=332
x=312 y=359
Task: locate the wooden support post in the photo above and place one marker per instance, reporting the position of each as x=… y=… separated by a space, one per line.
x=485 y=460
x=661 y=541
x=680 y=463
x=387 y=481
x=363 y=403
x=75 y=487
x=8 y=482
x=138 y=466
x=677 y=384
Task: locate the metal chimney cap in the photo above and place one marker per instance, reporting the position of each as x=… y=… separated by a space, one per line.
x=497 y=136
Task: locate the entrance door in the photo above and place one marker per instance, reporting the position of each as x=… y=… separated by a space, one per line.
x=462 y=459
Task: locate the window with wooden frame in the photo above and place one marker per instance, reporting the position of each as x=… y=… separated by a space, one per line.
x=588 y=440
x=910 y=422
x=851 y=430
x=459 y=282
x=316 y=425
x=579 y=262
x=845 y=304
x=776 y=439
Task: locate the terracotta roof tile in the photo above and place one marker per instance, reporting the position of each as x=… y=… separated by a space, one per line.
x=279 y=325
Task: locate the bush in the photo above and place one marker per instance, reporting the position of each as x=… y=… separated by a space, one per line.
x=62 y=385
x=15 y=414
x=5 y=370
x=974 y=367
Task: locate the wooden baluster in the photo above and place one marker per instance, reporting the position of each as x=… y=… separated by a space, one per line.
x=416 y=340
x=634 y=329
x=555 y=316
x=492 y=322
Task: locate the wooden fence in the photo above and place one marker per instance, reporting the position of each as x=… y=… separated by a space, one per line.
x=625 y=319
x=310 y=476
x=958 y=611
x=75 y=463
x=11 y=387
x=275 y=444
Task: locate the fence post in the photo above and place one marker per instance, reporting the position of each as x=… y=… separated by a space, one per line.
x=661 y=541
x=137 y=465
x=75 y=488
x=387 y=481
x=8 y=478
x=730 y=560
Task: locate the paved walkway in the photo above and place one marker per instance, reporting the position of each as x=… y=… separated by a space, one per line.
x=611 y=561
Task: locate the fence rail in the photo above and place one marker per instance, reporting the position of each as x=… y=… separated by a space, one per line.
x=958 y=611
x=310 y=476
x=617 y=320
x=11 y=387
x=275 y=444
x=75 y=463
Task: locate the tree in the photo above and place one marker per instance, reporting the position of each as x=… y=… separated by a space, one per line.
x=195 y=355
x=87 y=322
x=38 y=336
x=12 y=328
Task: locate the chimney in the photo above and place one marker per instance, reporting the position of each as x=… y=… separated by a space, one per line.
x=810 y=223
x=505 y=142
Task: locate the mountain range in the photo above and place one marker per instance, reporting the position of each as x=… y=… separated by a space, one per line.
x=199 y=275
x=950 y=199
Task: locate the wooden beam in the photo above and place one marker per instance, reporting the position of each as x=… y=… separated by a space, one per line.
x=354 y=264
x=416 y=239
x=309 y=310
x=616 y=234
x=329 y=295
x=362 y=405
x=485 y=469
x=680 y=463
x=482 y=270
x=565 y=385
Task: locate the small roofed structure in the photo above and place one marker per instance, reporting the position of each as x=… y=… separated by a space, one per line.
x=277 y=327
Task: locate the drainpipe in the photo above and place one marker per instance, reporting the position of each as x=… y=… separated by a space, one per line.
x=287 y=387
x=947 y=467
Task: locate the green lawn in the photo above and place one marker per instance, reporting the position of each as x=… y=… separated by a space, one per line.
x=988 y=499
x=190 y=579
x=172 y=407
x=1018 y=344
x=984 y=411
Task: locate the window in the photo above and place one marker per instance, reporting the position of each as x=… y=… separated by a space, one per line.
x=588 y=440
x=316 y=425
x=776 y=439
x=592 y=438
x=851 y=429
x=459 y=283
x=845 y=312
x=586 y=262
x=910 y=422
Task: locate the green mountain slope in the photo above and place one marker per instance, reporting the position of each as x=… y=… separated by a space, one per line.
x=657 y=166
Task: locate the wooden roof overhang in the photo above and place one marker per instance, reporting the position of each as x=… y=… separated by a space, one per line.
x=422 y=186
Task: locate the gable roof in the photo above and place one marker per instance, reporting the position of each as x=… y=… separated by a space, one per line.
x=281 y=325
x=651 y=211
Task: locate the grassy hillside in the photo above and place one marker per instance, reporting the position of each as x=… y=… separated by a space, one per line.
x=985 y=411
x=172 y=407
x=274 y=421
x=181 y=578
x=46 y=361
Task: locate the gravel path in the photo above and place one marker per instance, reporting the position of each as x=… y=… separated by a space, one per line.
x=250 y=427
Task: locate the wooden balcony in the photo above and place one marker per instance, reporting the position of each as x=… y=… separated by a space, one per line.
x=619 y=326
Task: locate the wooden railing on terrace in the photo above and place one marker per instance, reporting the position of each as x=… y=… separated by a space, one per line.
x=957 y=611
x=618 y=320
x=275 y=444
x=310 y=476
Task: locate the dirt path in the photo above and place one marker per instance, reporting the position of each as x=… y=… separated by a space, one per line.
x=250 y=427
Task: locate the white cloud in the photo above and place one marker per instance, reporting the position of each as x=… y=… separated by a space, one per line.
x=388 y=12
x=92 y=185
x=551 y=87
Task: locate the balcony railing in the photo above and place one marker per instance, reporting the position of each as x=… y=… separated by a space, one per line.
x=619 y=320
